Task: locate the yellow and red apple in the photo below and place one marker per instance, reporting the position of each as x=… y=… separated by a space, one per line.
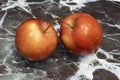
x=36 y=39
x=81 y=33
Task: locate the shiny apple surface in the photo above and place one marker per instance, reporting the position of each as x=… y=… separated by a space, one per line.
x=33 y=41
x=81 y=33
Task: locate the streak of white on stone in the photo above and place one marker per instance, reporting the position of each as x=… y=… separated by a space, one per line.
x=1 y=38
x=115 y=3
x=5 y=58
x=30 y=3
x=2 y=19
x=114 y=0
x=115 y=50
x=111 y=25
x=7 y=47
x=19 y=77
x=8 y=55
x=9 y=32
x=115 y=53
x=106 y=15
x=43 y=73
x=111 y=38
x=115 y=34
x=86 y=69
x=14 y=61
x=108 y=36
x=8 y=69
x=116 y=25
x=105 y=53
x=57 y=26
x=19 y=3
x=80 y=3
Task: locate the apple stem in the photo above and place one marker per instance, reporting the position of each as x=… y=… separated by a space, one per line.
x=53 y=21
x=59 y=19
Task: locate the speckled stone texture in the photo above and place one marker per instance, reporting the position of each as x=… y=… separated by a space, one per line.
x=62 y=65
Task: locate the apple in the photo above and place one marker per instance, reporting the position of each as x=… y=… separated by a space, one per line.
x=36 y=39
x=81 y=33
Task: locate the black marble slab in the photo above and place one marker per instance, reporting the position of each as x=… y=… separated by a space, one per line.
x=62 y=65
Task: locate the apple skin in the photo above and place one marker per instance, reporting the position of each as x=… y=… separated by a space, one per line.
x=81 y=33
x=33 y=41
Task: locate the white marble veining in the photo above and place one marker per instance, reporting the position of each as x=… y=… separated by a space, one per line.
x=85 y=64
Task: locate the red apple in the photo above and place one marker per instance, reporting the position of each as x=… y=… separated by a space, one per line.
x=36 y=39
x=81 y=33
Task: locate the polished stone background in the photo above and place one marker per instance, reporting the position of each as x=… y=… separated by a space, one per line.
x=62 y=65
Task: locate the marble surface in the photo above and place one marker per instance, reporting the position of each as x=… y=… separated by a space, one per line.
x=62 y=65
